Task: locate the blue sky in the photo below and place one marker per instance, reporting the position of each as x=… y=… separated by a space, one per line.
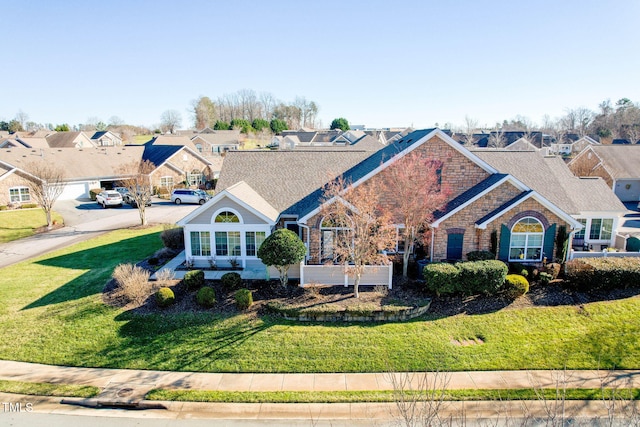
x=377 y=63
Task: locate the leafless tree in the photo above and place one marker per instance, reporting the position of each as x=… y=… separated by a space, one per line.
x=470 y=126
x=116 y=121
x=170 y=120
x=497 y=138
x=363 y=230
x=46 y=187
x=268 y=103
x=138 y=183
x=22 y=118
x=204 y=112
x=416 y=202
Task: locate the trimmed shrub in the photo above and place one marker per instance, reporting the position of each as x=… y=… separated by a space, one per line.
x=485 y=277
x=544 y=278
x=515 y=285
x=133 y=282
x=441 y=278
x=4 y=207
x=173 y=238
x=94 y=192
x=194 y=279
x=480 y=256
x=524 y=272
x=244 y=299
x=231 y=280
x=28 y=205
x=603 y=273
x=165 y=297
x=206 y=296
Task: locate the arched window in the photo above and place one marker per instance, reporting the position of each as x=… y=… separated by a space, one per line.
x=527 y=238
x=227 y=216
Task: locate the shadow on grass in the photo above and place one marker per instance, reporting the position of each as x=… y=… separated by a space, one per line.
x=188 y=341
x=99 y=263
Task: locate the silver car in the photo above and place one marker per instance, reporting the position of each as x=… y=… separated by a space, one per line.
x=109 y=198
x=185 y=195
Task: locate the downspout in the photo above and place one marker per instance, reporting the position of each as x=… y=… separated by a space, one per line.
x=433 y=236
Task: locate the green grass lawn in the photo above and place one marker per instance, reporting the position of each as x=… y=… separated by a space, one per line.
x=19 y=223
x=51 y=311
x=141 y=139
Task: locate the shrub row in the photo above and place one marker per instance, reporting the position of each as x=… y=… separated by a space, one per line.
x=603 y=273
x=469 y=278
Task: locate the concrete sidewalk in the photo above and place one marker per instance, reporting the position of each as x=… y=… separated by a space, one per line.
x=127 y=388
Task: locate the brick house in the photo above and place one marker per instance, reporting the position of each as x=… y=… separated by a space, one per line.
x=261 y=191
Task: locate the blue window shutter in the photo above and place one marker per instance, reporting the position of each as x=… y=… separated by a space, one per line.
x=505 y=239
x=549 y=240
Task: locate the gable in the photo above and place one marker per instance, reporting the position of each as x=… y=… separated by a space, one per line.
x=206 y=216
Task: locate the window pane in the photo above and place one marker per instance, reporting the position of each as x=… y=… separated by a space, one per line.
x=234 y=243
x=250 y=243
x=195 y=243
x=205 y=243
x=516 y=253
x=221 y=243
x=607 y=227
x=596 y=225
x=580 y=234
x=518 y=240
x=535 y=240
x=227 y=216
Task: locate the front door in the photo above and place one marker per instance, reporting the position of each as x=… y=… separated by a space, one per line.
x=454 y=246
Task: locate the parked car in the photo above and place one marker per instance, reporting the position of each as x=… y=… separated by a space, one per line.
x=131 y=201
x=185 y=195
x=109 y=198
x=124 y=191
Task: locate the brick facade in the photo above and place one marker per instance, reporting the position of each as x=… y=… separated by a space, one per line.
x=458 y=175
x=13 y=180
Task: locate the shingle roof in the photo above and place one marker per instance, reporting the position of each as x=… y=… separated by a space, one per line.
x=552 y=179
x=220 y=137
x=78 y=164
x=282 y=177
x=504 y=206
x=63 y=139
x=469 y=194
x=622 y=161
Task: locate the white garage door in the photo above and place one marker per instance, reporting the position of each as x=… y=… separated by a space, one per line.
x=74 y=191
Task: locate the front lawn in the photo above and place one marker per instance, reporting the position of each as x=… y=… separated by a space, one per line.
x=51 y=311
x=19 y=223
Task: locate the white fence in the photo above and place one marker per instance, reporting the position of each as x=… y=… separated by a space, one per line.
x=374 y=275
x=603 y=254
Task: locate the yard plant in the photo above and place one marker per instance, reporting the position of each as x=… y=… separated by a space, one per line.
x=51 y=311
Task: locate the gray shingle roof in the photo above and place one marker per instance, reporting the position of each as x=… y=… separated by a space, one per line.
x=551 y=178
x=622 y=161
x=469 y=194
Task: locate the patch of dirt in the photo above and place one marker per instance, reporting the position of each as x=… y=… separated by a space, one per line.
x=44 y=228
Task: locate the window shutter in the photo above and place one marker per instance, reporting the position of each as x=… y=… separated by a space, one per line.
x=549 y=240
x=505 y=239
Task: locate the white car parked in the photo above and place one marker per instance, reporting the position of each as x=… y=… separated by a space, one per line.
x=109 y=198
x=185 y=195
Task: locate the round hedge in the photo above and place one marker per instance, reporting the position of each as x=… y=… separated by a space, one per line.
x=206 y=296
x=231 y=280
x=165 y=297
x=244 y=299
x=516 y=285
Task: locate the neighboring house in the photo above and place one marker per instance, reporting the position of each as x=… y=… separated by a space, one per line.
x=216 y=142
x=488 y=197
x=616 y=164
x=84 y=169
x=521 y=144
x=571 y=145
x=588 y=200
x=70 y=140
x=106 y=139
x=179 y=165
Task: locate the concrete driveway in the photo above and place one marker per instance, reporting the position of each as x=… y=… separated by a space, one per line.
x=84 y=220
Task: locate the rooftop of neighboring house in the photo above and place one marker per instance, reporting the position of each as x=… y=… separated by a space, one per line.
x=64 y=139
x=219 y=137
x=84 y=163
x=621 y=161
x=550 y=177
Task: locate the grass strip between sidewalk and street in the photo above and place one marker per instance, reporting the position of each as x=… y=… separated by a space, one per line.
x=391 y=396
x=47 y=389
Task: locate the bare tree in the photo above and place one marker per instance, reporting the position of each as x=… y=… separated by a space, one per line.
x=138 y=183
x=415 y=182
x=170 y=120
x=497 y=138
x=46 y=187
x=22 y=118
x=204 y=112
x=268 y=103
x=116 y=121
x=470 y=126
x=362 y=230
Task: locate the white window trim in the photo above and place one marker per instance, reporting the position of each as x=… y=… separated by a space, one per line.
x=21 y=194
x=526 y=246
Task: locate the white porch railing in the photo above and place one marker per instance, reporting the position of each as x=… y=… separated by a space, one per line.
x=603 y=254
x=374 y=275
